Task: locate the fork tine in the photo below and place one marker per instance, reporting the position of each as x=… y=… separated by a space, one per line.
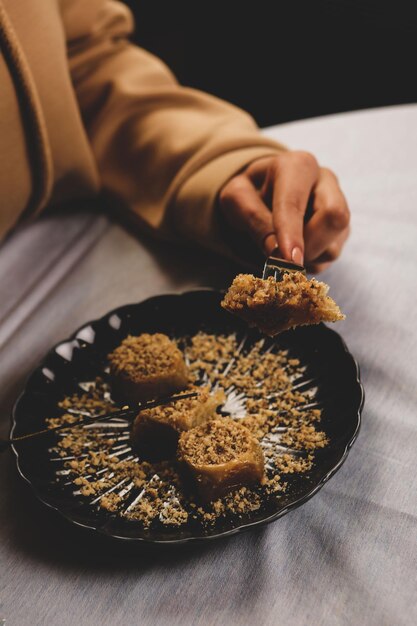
x=276 y=268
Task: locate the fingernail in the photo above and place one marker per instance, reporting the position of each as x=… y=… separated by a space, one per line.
x=297 y=256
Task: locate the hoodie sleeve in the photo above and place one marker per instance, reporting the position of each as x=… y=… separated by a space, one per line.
x=163 y=151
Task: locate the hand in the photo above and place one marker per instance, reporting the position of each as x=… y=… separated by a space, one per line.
x=269 y=199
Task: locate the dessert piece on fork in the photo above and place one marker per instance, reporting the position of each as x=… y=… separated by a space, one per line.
x=283 y=298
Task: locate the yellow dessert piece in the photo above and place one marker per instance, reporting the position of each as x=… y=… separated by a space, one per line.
x=146 y=367
x=220 y=456
x=155 y=431
x=274 y=306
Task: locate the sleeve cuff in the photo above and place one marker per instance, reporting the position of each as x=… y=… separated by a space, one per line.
x=195 y=217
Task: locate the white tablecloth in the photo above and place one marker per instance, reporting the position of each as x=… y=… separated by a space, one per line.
x=348 y=556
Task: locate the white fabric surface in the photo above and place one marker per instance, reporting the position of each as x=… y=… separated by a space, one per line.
x=348 y=556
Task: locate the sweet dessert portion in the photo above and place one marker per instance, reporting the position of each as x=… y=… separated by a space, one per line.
x=274 y=306
x=221 y=455
x=146 y=367
x=218 y=470
x=156 y=431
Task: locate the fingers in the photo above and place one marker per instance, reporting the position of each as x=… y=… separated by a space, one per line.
x=246 y=211
x=316 y=268
x=294 y=180
x=327 y=230
x=269 y=200
x=332 y=253
x=270 y=244
x=334 y=250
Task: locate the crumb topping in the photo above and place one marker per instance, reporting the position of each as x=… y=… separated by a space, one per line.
x=219 y=441
x=145 y=356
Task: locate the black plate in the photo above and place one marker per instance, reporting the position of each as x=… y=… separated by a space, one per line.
x=83 y=356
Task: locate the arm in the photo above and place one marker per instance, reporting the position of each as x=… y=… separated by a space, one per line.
x=163 y=151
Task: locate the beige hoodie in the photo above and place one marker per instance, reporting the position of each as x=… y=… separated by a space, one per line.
x=82 y=110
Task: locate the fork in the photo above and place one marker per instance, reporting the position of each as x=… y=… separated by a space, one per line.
x=126 y=411
x=276 y=267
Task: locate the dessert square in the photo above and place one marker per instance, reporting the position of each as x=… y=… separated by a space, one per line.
x=220 y=456
x=146 y=367
x=155 y=431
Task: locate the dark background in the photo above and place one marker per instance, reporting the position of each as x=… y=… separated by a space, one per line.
x=287 y=60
